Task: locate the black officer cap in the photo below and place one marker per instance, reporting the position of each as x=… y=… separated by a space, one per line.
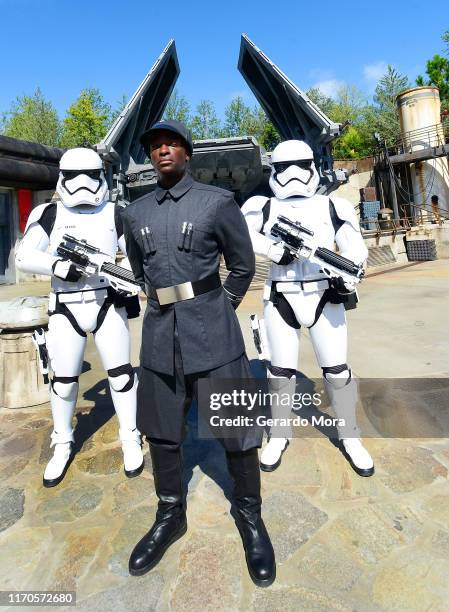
x=171 y=125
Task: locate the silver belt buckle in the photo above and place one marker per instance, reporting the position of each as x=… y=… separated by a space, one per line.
x=177 y=293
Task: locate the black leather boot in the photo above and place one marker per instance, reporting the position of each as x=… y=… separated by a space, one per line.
x=244 y=469
x=170 y=523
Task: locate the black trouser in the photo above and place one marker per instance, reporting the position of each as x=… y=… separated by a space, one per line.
x=163 y=401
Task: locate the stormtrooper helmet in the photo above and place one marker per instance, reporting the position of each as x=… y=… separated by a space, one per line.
x=81 y=178
x=293 y=171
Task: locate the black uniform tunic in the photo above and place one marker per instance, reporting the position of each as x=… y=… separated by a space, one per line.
x=208 y=335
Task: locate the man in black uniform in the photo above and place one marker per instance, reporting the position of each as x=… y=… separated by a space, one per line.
x=175 y=237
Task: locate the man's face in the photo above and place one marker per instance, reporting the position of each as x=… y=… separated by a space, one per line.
x=168 y=154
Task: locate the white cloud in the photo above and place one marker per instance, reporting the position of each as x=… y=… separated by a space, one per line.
x=318 y=74
x=329 y=87
x=373 y=72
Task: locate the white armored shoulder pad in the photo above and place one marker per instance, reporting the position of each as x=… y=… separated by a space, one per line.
x=36 y=214
x=346 y=212
x=254 y=204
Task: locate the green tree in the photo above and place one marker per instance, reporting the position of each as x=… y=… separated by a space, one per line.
x=350 y=145
x=445 y=38
x=117 y=110
x=32 y=118
x=386 y=120
x=348 y=105
x=241 y=120
x=177 y=108
x=324 y=103
x=205 y=123
x=269 y=136
x=348 y=108
x=237 y=118
x=257 y=124
x=87 y=120
x=437 y=70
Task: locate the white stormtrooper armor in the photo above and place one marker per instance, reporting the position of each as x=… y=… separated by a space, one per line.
x=297 y=293
x=80 y=304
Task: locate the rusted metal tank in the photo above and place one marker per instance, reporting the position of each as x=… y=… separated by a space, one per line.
x=420 y=117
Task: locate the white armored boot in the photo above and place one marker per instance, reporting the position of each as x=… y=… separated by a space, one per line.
x=280 y=434
x=343 y=396
x=271 y=456
x=358 y=456
x=130 y=437
x=62 y=405
x=132 y=451
x=58 y=464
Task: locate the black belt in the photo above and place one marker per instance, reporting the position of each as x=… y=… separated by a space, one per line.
x=184 y=291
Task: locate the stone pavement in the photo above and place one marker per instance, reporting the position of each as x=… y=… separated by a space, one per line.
x=342 y=542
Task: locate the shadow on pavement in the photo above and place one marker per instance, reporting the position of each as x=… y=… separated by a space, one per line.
x=89 y=423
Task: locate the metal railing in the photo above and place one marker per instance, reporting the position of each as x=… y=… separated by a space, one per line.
x=423 y=138
x=423 y=212
x=384 y=227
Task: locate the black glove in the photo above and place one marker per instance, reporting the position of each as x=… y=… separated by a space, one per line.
x=132 y=305
x=341 y=287
x=66 y=270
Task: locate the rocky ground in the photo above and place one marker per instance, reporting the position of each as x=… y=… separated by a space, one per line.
x=342 y=542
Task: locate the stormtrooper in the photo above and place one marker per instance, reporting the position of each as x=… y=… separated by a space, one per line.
x=79 y=304
x=299 y=294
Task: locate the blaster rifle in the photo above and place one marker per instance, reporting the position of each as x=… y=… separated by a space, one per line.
x=89 y=261
x=259 y=337
x=299 y=241
x=40 y=344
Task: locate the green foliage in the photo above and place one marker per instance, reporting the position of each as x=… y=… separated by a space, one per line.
x=87 y=120
x=386 y=122
x=118 y=109
x=205 y=123
x=348 y=106
x=237 y=115
x=32 y=118
x=269 y=137
x=445 y=38
x=177 y=108
x=350 y=145
x=241 y=120
x=324 y=103
x=89 y=117
x=437 y=70
x=351 y=108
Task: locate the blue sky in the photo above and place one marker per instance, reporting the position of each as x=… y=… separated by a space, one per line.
x=63 y=46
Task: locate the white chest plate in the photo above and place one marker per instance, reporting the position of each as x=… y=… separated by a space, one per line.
x=313 y=213
x=97 y=227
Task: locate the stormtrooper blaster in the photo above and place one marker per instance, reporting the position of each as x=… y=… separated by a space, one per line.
x=299 y=241
x=40 y=345
x=89 y=261
x=260 y=337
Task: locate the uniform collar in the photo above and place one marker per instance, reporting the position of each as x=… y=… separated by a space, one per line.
x=176 y=191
